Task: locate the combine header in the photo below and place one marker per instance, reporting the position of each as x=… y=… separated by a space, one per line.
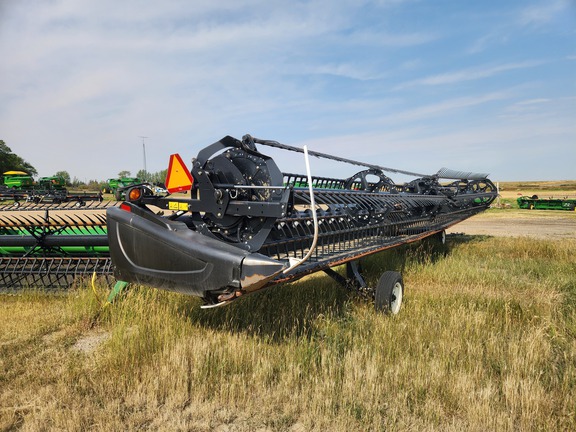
x=536 y=203
x=248 y=226
x=51 y=250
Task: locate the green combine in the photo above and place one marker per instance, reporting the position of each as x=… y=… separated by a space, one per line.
x=18 y=180
x=53 y=182
x=117 y=186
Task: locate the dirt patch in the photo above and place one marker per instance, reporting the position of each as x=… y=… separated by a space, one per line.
x=549 y=225
x=89 y=343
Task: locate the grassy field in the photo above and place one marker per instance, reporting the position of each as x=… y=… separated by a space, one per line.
x=486 y=340
x=559 y=186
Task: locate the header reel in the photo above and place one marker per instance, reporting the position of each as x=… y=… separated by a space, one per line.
x=247 y=225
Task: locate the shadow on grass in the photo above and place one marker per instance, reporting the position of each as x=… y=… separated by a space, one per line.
x=279 y=312
x=429 y=250
x=461 y=238
x=291 y=310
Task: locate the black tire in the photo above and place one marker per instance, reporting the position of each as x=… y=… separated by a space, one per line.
x=389 y=293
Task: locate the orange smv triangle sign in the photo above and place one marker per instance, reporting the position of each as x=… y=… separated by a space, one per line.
x=178 y=178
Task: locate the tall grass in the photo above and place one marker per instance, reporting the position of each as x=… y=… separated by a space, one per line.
x=486 y=340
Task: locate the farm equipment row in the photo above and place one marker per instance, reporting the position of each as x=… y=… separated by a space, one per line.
x=245 y=226
x=50 y=197
x=20 y=180
x=18 y=187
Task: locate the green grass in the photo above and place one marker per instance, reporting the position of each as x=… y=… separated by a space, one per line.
x=486 y=340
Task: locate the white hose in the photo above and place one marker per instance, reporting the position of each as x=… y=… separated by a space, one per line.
x=314 y=218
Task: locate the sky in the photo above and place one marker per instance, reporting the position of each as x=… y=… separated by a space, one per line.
x=483 y=86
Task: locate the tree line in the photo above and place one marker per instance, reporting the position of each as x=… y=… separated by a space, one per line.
x=10 y=161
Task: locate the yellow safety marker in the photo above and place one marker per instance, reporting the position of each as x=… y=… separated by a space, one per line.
x=179 y=178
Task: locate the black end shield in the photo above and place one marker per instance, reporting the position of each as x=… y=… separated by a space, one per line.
x=151 y=250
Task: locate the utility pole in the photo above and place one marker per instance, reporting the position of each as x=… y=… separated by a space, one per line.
x=144 y=152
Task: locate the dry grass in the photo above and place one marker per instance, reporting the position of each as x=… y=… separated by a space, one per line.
x=485 y=341
x=542 y=186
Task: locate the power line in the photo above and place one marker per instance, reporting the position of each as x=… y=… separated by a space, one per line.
x=144 y=152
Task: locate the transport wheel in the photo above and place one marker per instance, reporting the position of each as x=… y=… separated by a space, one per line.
x=389 y=291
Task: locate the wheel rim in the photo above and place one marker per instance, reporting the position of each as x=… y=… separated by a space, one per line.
x=396 y=298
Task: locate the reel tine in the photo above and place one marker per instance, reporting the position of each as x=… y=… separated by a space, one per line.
x=8 y=221
x=52 y=272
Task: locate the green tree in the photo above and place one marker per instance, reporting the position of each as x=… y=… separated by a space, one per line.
x=155 y=178
x=143 y=175
x=124 y=174
x=65 y=176
x=160 y=176
x=76 y=182
x=97 y=185
x=10 y=161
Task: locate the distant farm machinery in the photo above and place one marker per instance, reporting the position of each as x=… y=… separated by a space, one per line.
x=245 y=226
x=553 y=203
x=18 y=187
x=117 y=186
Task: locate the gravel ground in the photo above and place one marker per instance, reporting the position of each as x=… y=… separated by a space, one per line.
x=541 y=224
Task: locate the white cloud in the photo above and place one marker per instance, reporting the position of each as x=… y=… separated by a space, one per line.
x=84 y=79
x=508 y=148
x=444 y=107
x=484 y=42
x=544 y=12
x=468 y=74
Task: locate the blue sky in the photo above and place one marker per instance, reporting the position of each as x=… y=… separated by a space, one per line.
x=486 y=86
